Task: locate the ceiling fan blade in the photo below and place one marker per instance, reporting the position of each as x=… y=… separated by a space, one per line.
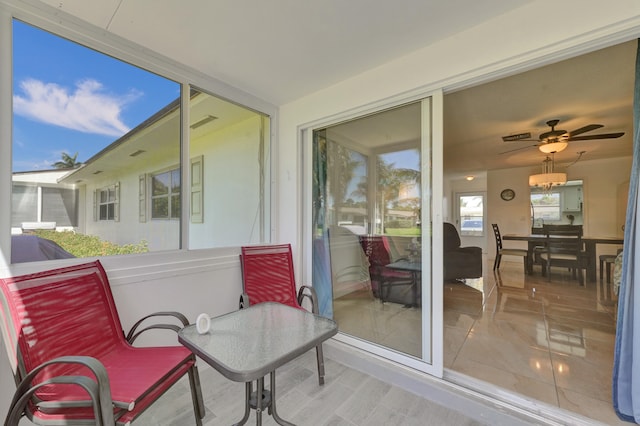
x=518 y=149
x=517 y=137
x=596 y=137
x=585 y=129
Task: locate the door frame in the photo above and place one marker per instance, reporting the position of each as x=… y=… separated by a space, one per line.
x=431 y=167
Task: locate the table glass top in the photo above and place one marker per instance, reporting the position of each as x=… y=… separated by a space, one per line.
x=249 y=343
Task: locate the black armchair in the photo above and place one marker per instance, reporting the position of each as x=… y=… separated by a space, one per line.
x=459 y=262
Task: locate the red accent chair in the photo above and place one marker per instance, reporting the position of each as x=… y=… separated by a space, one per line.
x=71 y=360
x=267 y=276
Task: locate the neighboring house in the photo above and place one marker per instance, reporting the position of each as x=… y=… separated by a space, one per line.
x=40 y=201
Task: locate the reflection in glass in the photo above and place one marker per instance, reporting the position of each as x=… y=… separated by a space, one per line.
x=366 y=221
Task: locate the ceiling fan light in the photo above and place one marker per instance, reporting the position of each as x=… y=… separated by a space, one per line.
x=552 y=147
x=547 y=180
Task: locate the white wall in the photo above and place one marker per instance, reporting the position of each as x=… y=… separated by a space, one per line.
x=476 y=54
x=601 y=180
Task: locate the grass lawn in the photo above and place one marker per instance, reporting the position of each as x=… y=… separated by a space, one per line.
x=81 y=245
x=404 y=232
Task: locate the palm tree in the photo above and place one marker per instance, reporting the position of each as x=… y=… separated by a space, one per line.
x=67 y=162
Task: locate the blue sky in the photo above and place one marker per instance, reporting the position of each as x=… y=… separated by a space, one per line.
x=68 y=98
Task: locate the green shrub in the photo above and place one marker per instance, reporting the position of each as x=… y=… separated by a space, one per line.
x=81 y=245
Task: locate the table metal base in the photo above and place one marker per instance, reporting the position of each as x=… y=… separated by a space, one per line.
x=267 y=401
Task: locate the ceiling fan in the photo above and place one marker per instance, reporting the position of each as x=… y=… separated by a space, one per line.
x=557 y=140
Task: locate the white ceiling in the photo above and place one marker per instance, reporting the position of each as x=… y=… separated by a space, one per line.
x=280 y=50
x=596 y=88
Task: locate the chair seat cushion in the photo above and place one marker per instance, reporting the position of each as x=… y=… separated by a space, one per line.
x=558 y=256
x=389 y=273
x=513 y=252
x=132 y=372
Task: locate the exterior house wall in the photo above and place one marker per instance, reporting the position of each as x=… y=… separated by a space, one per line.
x=160 y=234
x=231 y=196
x=232 y=168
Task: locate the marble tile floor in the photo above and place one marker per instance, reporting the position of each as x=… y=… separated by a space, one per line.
x=348 y=398
x=552 y=341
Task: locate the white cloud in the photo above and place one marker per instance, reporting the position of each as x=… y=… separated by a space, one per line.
x=86 y=109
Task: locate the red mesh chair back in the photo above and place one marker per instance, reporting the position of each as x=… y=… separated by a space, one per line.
x=376 y=248
x=378 y=252
x=45 y=314
x=268 y=275
x=70 y=312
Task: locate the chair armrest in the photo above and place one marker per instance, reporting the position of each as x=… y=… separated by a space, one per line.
x=99 y=390
x=134 y=333
x=310 y=293
x=244 y=301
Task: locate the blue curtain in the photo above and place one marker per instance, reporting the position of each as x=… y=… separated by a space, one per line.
x=321 y=268
x=626 y=362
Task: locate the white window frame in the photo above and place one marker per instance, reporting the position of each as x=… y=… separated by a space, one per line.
x=98 y=203
x=460 y=219
x=169 y=194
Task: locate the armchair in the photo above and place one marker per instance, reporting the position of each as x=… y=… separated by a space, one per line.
x=459 y=262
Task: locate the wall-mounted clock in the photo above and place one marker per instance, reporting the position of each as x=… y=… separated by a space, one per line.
x=508 y=194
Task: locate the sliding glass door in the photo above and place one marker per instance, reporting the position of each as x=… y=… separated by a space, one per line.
x=371 y=230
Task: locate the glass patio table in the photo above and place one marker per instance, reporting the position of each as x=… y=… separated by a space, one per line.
x=248 y=344
x=415 y=267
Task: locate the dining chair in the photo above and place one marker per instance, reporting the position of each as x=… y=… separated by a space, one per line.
x=268 y=276
x=73 y=363
x=383 y=279
x=606 y=262
x=502 y=251
x=564 y=248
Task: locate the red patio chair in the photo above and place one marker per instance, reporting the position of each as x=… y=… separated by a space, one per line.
x=267 y=276
x=376 y=248
x=71 y=360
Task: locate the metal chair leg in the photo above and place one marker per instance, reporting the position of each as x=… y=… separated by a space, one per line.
x=196 y=394
x=320 y=362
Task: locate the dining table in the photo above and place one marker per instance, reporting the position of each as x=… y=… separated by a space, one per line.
x=590 y=248
x=248 y=344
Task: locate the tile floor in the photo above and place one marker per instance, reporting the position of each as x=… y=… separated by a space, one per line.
x=348 y=398
x=552 y=341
